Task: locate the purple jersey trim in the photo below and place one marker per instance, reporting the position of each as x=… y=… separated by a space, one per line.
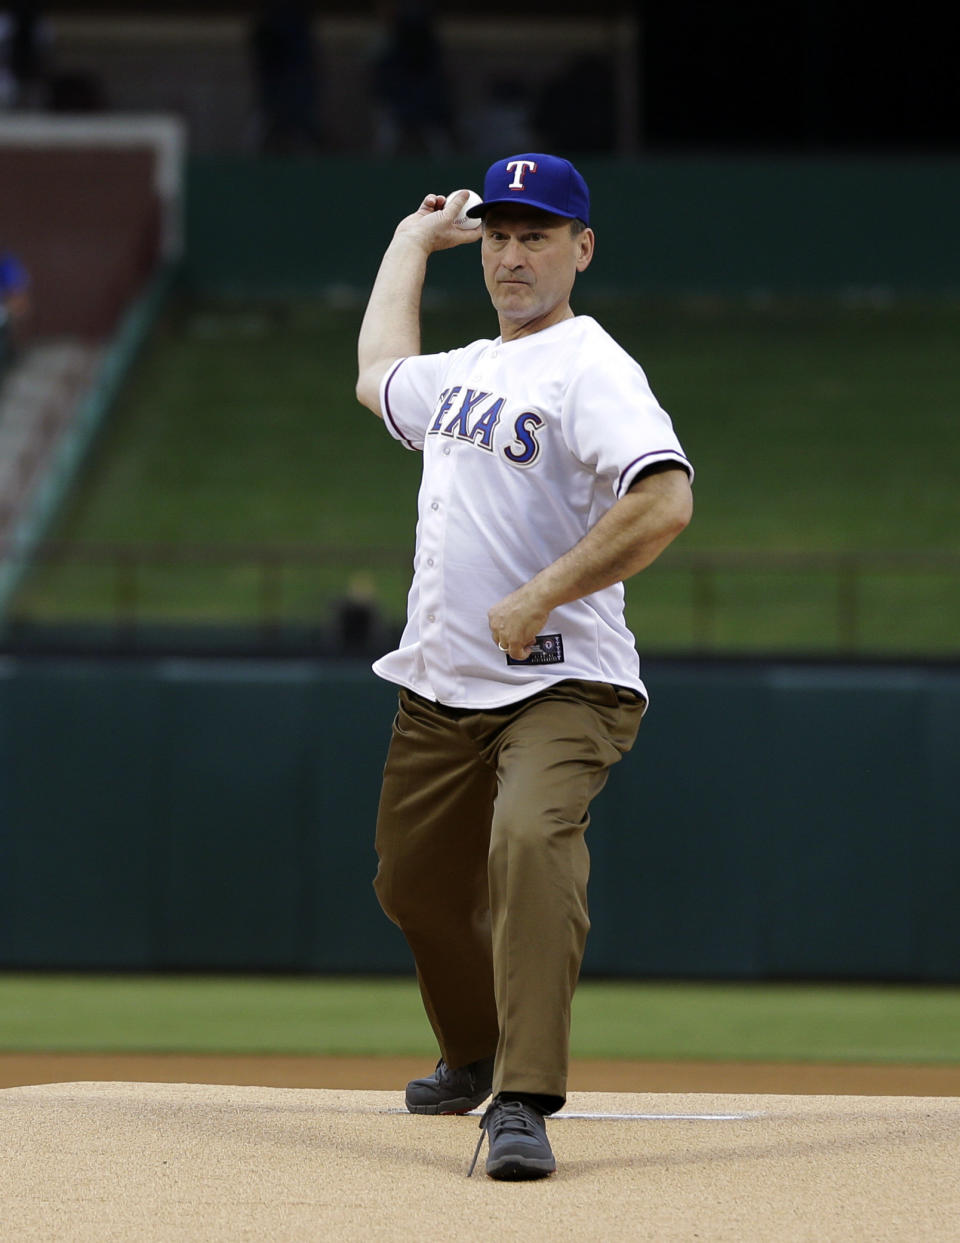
x=661 y=455
x=387 y=414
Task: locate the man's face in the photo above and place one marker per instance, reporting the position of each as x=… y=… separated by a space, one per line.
x=530 y=261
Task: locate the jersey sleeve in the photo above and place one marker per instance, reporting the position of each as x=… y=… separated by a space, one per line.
x=408 y=396
x=614 y=424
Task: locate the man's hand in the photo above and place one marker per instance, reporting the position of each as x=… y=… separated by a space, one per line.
x=432 y=224
x=517 y=619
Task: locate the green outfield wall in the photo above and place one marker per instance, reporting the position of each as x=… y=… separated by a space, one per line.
x=665 y=225
x=774 y=821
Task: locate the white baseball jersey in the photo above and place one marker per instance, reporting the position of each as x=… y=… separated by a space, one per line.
x=526 y=444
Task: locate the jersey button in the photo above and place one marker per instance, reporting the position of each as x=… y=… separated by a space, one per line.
x=435 y=505
x=431 y=617
x=430 y=561
x=446 y=452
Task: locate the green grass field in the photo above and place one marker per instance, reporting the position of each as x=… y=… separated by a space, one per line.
x=819 y=429
x=264 y=1015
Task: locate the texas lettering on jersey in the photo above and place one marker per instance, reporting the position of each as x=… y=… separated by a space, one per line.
x=472 y=415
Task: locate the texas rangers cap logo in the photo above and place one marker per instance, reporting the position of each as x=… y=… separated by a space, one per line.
x=545 y=181
x=519 y=168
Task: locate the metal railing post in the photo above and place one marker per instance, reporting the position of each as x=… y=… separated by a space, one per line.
x=270 y=595
x=704 y=604
x=126 y=594
x=848 y=603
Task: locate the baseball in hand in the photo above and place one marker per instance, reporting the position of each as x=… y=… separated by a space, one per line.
x=463 y=221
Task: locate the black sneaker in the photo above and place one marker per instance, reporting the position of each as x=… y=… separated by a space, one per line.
x=519 y=1147
x=449 y=1091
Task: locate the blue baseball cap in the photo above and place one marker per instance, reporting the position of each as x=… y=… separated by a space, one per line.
x=536 y=180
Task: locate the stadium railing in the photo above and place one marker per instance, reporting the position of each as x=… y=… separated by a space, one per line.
x=717 y=601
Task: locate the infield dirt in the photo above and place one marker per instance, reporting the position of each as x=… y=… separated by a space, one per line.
x=101 y=1162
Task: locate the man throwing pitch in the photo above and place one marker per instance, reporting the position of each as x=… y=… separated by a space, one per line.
x=550 y=475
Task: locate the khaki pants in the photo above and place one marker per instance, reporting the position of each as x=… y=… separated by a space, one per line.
x=483 y=865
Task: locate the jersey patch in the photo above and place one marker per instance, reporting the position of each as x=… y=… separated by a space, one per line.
x=547 y=650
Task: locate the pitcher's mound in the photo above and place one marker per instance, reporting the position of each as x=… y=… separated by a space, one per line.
x=172 y=1162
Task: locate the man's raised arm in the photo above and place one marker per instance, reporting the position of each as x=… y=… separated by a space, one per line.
x=391 y=324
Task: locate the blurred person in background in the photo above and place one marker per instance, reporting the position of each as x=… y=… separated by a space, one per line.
x=285 y=66
x=410 y=88
x=503 y=118
x=25 y=41
x=14 y=303
x=559 y=117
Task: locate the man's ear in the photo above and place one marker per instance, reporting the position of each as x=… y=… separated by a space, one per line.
x=586 y=243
